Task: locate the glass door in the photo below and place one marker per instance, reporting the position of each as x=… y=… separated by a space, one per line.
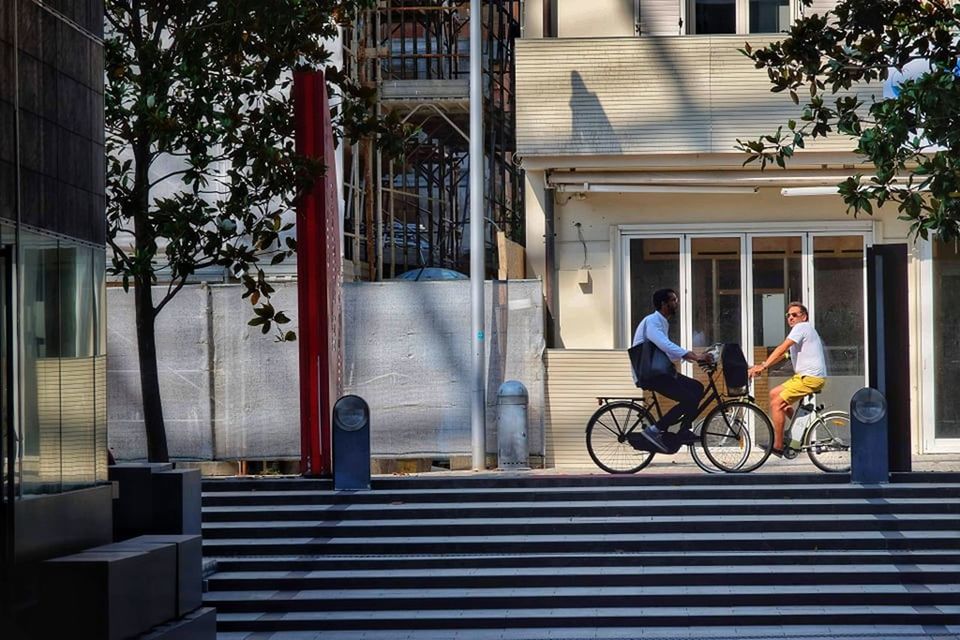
x=837 y=308
x=776 y=278
x=714 y=296
x=715 y=291
x=735 y=287
x=654 y=263
x=942 y=370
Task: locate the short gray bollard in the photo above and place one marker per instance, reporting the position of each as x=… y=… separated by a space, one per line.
x=869 y=461
x=351 y=444
x=512 y=449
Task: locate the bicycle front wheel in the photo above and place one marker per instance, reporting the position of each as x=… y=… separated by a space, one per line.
x=827 y=442
x=697 y=453
x=737 y=436
x=607 y=433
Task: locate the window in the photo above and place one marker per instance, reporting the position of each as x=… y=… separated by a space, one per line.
x=738 y=16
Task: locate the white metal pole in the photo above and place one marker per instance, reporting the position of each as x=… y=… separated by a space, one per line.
x=478 y=400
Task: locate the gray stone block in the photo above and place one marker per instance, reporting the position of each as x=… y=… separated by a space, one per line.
x=189 y=568
x=133 y=510
x=200 y=625
x=108 y=594
x=176 y=502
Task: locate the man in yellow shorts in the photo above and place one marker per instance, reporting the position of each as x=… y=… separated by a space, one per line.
x=809 y=368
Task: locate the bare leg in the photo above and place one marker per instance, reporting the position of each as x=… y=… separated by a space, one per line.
x=779 y=412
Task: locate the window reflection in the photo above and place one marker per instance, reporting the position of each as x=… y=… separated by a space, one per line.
x=946 y=330
x=63 y=373
x=77 y=396
x=41 y=364
x=769 y=16
x=654 y=264
x=715 y=291
x=838 y=313
x=715 y=16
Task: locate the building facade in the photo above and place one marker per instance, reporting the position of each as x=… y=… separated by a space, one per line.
x=52 y=263
x=628 y=112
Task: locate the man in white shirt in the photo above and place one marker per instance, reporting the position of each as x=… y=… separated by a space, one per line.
x=809 y=368
x=687 y=392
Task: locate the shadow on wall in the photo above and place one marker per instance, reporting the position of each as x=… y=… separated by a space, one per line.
x=590 y=128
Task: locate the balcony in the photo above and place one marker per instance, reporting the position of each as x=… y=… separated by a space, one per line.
x=648 y=95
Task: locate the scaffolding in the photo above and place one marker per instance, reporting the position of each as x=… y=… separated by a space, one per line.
x=414 y=212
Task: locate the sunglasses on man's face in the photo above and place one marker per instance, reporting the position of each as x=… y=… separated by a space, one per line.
x=794 y=315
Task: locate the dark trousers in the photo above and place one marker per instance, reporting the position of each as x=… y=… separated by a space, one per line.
x=687 y=393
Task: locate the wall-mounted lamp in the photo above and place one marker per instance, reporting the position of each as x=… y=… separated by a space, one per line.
x=653 y=188
x=809 y=191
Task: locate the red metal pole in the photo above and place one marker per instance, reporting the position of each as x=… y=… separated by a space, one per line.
x=318 y=278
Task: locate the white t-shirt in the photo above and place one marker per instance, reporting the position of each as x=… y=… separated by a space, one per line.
x=806 y=353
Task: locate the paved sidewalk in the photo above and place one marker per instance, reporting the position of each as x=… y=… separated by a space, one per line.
x=785 y=632
x=681 y=463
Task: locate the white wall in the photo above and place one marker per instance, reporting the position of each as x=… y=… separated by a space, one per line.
x=650 y=95
x=606 y=18
x=230 y=392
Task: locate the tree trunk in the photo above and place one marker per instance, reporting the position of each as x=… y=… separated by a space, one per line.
x=149 y=375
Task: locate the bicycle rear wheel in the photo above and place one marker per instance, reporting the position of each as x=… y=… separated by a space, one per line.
x=827 y=442
x=737 y=436
x=607 y=437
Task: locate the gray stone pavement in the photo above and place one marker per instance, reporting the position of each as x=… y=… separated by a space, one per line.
x=681 y=463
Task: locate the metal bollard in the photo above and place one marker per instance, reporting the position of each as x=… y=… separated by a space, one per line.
x=512 y=449
x=351 y=444
x=869 y=461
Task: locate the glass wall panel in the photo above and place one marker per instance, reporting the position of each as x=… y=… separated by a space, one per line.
x=715 y=287
x=8 y=438
x=77 y=340
x=946 y=336
x=100 y=363
x=654 y=264
x=715 y=16
x=40 y=296
x=769 y=16
x=776 y=265
x=838 y=268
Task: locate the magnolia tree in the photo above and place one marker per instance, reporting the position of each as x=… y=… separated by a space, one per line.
x=201 y=165
x=912 y=139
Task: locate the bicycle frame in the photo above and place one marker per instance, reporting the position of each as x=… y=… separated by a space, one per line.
x=711 y=394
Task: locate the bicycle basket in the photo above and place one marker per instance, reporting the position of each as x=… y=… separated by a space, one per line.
x=734 y=370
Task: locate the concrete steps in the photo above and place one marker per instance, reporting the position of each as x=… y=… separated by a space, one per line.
x=420 y=558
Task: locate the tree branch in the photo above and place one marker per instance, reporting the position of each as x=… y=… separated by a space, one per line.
x=169 y=175
x=169 y=296
x=119 y=253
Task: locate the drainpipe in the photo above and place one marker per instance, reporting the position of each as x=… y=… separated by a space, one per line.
x=550 y=268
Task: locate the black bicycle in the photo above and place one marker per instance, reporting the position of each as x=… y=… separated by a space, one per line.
x=736 y=435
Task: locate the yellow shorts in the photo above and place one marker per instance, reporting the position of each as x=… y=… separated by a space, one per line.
x=799 y=386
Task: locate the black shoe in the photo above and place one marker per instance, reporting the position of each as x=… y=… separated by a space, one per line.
x=686 y=436
x=655 y=437
x=640 y=443
x=776 y=452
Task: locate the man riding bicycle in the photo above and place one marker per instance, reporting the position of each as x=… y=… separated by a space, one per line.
x=685 y=391
x=809 y=367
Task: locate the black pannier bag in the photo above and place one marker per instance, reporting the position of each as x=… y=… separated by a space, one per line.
x=734 y=370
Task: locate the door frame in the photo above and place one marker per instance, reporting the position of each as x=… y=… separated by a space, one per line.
x=929 y=443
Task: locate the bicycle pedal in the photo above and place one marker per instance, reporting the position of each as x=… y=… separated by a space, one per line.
x=790 y=454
